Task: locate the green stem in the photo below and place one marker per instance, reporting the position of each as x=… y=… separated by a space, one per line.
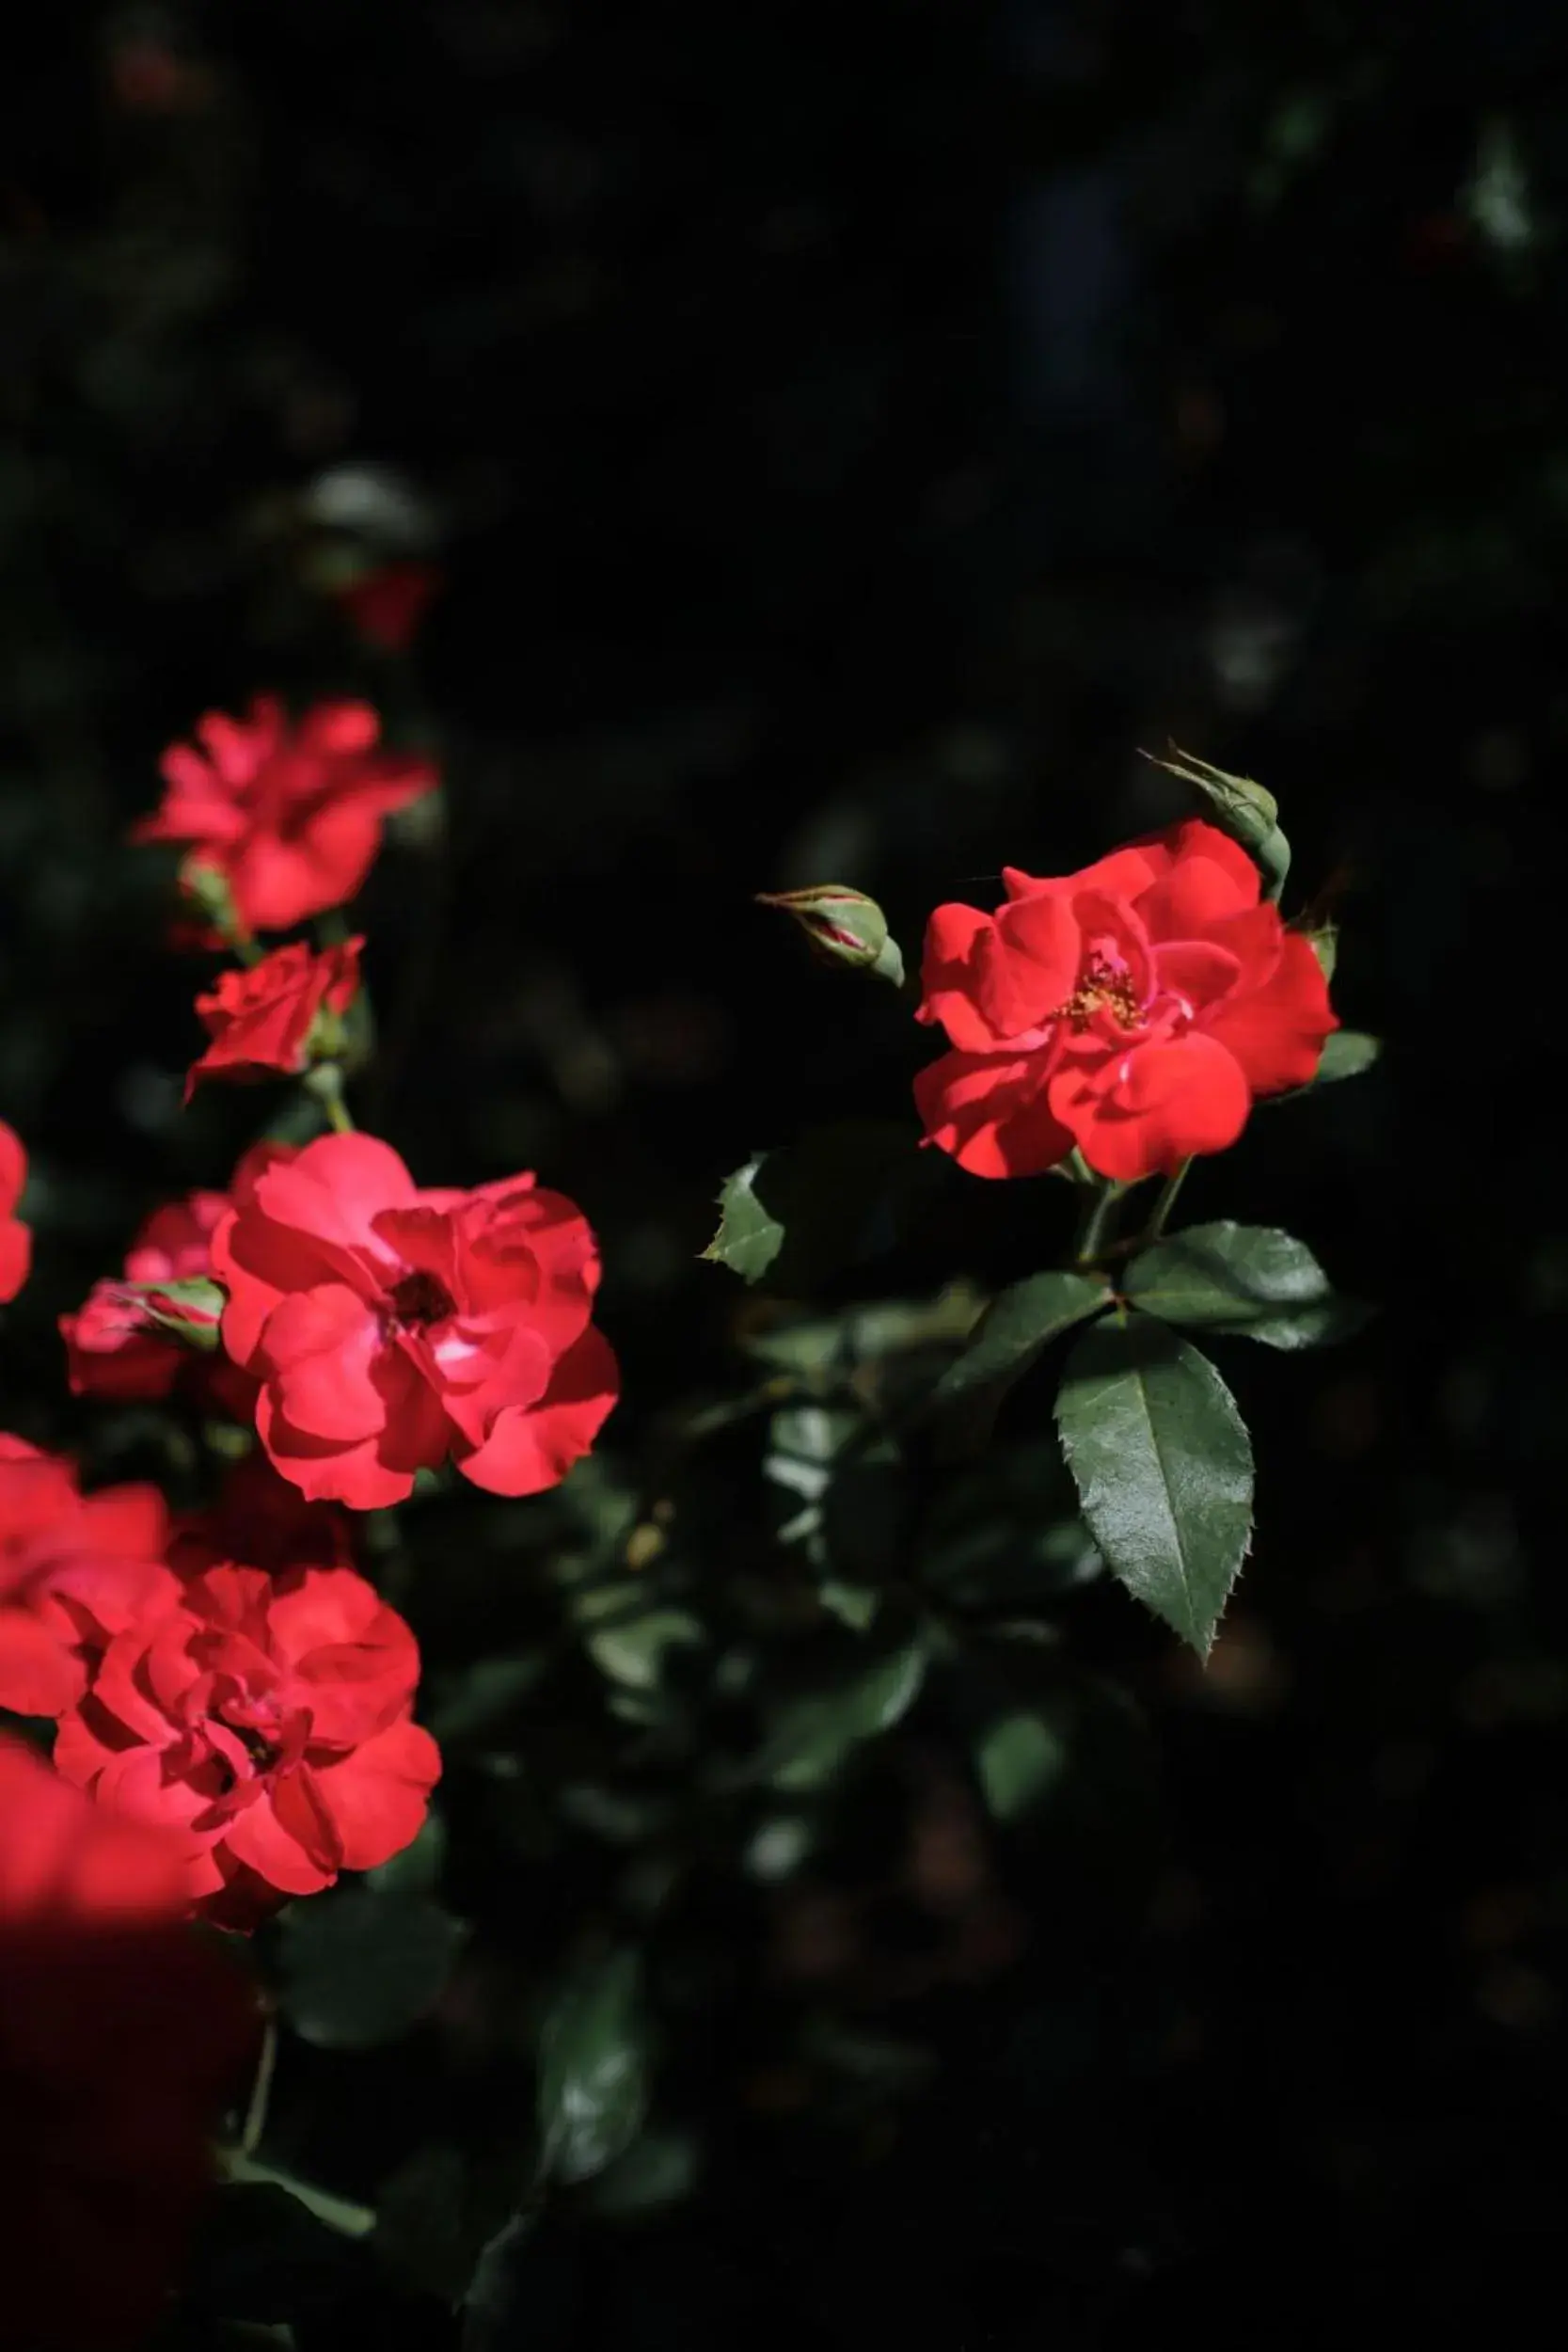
x=1166 y=1201
x=325 y=1082
x=1093 y=1219
x=255 y=2113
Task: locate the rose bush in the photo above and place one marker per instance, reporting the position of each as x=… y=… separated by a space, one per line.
x=389 y=1325
x=266 y=1720
x=263 y=1020
x=288 y=812
x=1132 y=1010
x=75 y=1571
x=122 y=2037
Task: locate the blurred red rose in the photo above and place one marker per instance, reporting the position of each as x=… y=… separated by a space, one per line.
x=123 y=2035
x=16 y=1241
x=117 y=1348
x=390 y=1326
x=261 y=1519
x=74 y=1570
x=388 y=604
x=1134 y=1009
x=268 y=1721
x=260 y=1020
x=289 y=812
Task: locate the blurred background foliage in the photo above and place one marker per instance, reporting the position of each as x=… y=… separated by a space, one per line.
x=847 y=435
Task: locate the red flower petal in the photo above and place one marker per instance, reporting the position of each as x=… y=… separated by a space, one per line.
x=1276 y=1033
x=532 y=1449
x=15 y=1258
x=1026 y=965
x=378 y=1796
x=13 y=1169
x=283 y=1839
x=39 y=1673
x=324 y=1346
x=1158 y=1106
x=991 y=1112
x=948 y=975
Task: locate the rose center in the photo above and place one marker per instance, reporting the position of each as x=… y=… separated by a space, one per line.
x=255 y=1724
x=419 y=1299
x=1103 y=985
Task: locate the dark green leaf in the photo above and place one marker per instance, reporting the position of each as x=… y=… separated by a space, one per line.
x=360 y=1968
x=1008 y=1534
x=1014 y=1329
x=812 y=1735
x=658 y=2169
x=633 y=1649
x=802 y=1214
x=750 y=1237
x=417 y=1870
x=1066 y=1767
x=593 y=2067
x=479 y=1697
x=1243 y=1278
x=1018 y=1758
x=1163 y=1469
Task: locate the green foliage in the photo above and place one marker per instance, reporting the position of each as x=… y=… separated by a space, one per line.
x=1346 y=1055
x=798 y=1216
x=811 y=1736
x=1016 y=1328
x=358 y=1967
x=592 y=2067
x=1163 y=1469
x=1251 y=1281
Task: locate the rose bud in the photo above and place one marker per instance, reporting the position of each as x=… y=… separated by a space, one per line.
x=843 y=926
x=1240 y=808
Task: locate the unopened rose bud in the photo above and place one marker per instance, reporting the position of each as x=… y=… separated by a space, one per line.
x=843 y=926
x=189 y=1310
x=1241 y=808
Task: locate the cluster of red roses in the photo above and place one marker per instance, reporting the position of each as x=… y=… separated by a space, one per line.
x=234 y=1698
x=370 y=1329
x=232 y=1701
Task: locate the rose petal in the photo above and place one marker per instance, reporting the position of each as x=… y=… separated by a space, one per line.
x=990 y=1113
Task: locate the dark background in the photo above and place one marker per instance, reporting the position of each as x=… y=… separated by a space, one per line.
x=847 y=434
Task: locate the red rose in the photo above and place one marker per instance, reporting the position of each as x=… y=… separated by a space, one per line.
x=123 y=2035
x=74 y=1569
x=261 y=1020
x=16 y=1241
x=260 y=1518
x=390 y=1326
x=268 y=1721
x=288 y=814
x=116 y=1346
x=1134 y=1009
